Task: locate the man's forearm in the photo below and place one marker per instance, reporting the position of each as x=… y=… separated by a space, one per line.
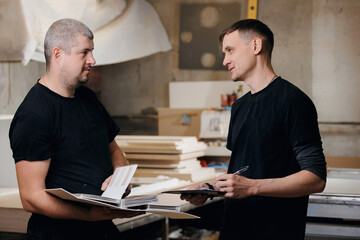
x=298 y=184
x=295 y=185
x=43 y=203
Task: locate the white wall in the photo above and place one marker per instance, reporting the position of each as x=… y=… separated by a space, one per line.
x=7 y=164
x=15 y=82
x=336 y=60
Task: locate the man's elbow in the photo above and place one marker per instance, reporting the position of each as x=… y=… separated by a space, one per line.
x=319 y=186
x=315 y=183
x=29 y=205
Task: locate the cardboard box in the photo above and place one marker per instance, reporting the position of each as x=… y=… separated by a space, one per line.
x=179 y=121
x=214 y=124
x=342 y=162
x=199 y=122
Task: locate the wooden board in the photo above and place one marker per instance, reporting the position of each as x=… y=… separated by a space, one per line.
x=161 y=150
x=163 y=171
x=165 y=157
x=159 y=144
x=189 y=164
x=342 y=186
x=155 y=148
x=155 y=138
x=195 y=175
x=13 y=220
x=159 y=186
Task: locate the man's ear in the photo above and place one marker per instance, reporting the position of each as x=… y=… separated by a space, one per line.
x=257 y=45
x=57 y=54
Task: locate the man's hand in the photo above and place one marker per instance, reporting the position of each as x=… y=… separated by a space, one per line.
x=196 y=199
x=235 y=186
x=104 y=213
x=295 y=185
x=106 y=183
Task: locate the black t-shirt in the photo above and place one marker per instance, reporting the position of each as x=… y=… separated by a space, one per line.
x=275 y=132
x=74 y=132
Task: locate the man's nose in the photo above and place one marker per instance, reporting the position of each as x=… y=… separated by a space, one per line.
x=91 y=59
x=226 y=61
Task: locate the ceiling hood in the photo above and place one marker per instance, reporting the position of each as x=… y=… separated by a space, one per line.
x=123 y=30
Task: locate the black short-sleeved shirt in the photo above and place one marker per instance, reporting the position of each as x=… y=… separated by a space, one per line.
x=275 y=132
x=74 y=132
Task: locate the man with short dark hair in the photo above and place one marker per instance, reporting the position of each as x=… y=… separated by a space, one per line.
x=62 y=137
x=273 y=130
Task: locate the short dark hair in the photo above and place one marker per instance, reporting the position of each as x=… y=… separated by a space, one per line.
x=63 y=33
x=253 y=27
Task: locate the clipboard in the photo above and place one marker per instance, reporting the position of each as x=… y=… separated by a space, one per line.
x=206 y=191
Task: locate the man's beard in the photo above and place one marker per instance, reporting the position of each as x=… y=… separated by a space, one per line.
x=82 y=80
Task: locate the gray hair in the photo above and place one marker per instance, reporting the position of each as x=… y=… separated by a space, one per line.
x=63 y=34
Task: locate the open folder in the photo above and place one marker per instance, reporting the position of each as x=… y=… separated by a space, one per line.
x=112 y=197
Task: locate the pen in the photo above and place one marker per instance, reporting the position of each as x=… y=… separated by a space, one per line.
x=241 y=170
x=238 y=172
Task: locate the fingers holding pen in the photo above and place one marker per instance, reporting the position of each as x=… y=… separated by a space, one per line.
x=231 y=179
x=226 y=180
x=235 y=186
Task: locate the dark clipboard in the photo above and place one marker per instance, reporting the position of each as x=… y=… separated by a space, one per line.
x=206 y=191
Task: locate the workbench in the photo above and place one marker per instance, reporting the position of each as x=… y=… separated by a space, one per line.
x=339 y=201
x=14 y=218
x=336 y=211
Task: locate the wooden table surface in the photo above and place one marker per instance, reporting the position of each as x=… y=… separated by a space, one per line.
x=13 y=218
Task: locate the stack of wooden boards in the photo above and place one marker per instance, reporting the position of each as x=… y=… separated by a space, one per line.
x=173 y=156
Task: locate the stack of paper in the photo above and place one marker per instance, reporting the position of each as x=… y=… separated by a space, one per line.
x=173 y=156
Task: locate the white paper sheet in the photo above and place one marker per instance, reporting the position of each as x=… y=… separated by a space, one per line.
x=119 y=181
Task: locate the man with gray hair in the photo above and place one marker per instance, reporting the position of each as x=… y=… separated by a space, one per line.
x=62 y=137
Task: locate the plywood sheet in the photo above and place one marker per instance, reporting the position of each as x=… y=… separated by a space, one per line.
x=146 y=138
x=165 y=157
x=196 y=175
x=10 y=198
x=169 y=149
x=153 y=164
x=159 y=144
x=342 y=186
x=165 y=150
x=13 y=220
